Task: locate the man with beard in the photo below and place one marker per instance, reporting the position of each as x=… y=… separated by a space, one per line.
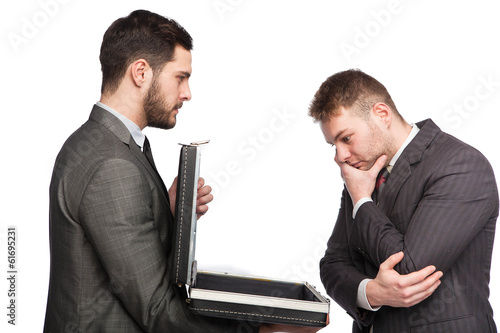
x=111 y=216
x=411 y=248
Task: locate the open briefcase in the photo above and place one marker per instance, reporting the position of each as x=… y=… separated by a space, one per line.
x=227 y=295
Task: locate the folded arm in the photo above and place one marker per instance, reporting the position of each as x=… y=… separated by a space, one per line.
x=450 y=206
x=457 y=201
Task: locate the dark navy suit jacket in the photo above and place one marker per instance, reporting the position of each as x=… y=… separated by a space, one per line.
x=439 y=207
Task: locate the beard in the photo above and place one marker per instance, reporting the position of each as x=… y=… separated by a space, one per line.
x=158 y=111
x=379 y=144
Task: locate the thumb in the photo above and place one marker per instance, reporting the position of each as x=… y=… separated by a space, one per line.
x=201 y=182
x=174 y=183
x=172 y=190
x=392 y=261
x=379 y=164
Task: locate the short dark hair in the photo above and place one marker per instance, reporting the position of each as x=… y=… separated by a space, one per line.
x=345 y=89
x=141 y=34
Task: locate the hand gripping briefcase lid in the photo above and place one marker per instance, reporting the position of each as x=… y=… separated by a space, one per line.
x=233 y=296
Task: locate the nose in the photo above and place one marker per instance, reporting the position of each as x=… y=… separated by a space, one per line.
x=185 y=93
x=343 y=154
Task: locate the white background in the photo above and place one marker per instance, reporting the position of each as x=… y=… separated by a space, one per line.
x=256 y=67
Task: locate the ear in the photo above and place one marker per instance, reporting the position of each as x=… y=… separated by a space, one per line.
x=141 y=72
x=382 y=114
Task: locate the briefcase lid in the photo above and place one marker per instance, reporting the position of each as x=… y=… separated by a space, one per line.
x=184 y=266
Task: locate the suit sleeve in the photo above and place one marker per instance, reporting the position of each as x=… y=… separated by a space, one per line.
x=339 y=274
x=459 y=198
x=116 y=214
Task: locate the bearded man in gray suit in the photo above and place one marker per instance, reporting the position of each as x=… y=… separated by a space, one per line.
x=111 y=218
x=411 y=248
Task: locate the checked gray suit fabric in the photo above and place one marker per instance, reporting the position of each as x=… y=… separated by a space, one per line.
x=111 y=238
x=439 y=206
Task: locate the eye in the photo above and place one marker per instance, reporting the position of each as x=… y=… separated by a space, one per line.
x=346 y=139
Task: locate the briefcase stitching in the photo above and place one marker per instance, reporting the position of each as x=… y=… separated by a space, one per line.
x=182 y=214
x=261 y=315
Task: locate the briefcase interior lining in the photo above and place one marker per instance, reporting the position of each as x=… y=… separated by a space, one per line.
x=234 y=296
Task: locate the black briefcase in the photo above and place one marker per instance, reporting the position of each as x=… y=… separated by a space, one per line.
x=233 y=296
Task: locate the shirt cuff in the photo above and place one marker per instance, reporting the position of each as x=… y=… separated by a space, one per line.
x=362 y=300
x=358 y=204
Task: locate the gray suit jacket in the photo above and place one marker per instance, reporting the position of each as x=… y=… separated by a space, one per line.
x=439 y=207
x=110 y=240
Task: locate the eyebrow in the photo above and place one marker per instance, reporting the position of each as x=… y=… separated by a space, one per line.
x=339 y=134
x=186 y=74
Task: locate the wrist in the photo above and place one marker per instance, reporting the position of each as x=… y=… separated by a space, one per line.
x=371 y=294
x=356 y=197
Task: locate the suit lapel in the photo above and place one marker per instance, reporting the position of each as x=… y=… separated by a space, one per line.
x=398 y=177
x=114 y=124
x=403 y=168
x=134 y=148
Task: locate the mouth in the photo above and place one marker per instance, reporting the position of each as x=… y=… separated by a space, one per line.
x=176 y=109
x=356 y=165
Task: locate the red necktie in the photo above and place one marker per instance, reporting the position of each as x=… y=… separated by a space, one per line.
x=381 y=179
x=379 y=185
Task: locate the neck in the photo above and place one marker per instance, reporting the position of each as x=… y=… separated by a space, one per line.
x=127 y=105
x=399 y=132
x=403 y=132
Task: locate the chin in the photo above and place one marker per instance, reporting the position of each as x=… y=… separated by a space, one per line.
x=367 y=167
x=171 y=123
x=166 y=125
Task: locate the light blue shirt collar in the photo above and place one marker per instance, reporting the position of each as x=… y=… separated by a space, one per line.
x=132 y=127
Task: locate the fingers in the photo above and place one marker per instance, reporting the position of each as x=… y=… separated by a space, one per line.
x=417 y=293
x=201 y=204
x=415 y=277
x=421 y=275
x=203 y=194
x=394 y=289
x=172 y=195
x=174 y=183
x=428 y=286
x=340 y=164
x=201 y=182
x=203 y=197
x=379 y=165
x=201 y=210
x=419 y=285
x=173 y=189
x=392 y=261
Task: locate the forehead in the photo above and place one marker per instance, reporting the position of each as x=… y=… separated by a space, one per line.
x=344 y=121
x=180 y=62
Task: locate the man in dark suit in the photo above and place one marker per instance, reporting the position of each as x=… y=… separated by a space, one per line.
x=411 y=248
x=111 y=215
